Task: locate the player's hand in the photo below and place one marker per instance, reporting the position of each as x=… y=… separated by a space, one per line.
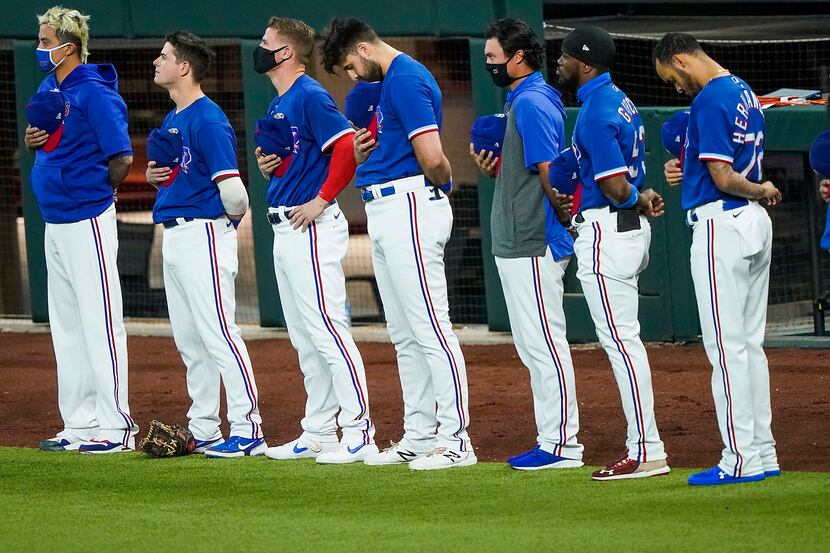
x=156 y=175
x=651 y=203
x=485 y=160
x=566 y=201
x=824 y=190
x=35 y=138
x=673 y=172
x=267 y=164
x=770 y=195
x=364 y=145
x=304 y=215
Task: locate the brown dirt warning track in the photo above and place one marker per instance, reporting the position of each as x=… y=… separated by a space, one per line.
x=501 y=408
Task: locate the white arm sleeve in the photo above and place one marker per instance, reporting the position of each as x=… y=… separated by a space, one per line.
x=234 y=197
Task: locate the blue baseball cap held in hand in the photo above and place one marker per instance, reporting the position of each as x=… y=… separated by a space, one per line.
x=563 y=173
x=487 y=133
x=361 y=102
x=166 y=149
x=46 y=111
x=274 y=136
x=820 y=154
x=674 y=132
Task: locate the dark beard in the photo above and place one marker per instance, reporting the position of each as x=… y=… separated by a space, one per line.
x=569 y=84
x=373 y=72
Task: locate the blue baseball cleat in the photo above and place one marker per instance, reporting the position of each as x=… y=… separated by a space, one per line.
x=102 y=447
x=715 y=477
x=204 y=445
x=539 y=459
x=237 y=446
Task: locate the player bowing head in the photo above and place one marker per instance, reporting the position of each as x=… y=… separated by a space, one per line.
x=682 y=63
x=352 y=45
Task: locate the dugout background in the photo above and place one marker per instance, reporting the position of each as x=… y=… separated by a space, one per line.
x=444 y=36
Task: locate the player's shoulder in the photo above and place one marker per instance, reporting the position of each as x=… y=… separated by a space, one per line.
x=313 y=92
x=721 y=91
x=207 y=111
x=407 y=68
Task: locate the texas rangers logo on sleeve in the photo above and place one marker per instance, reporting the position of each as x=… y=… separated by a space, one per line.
x=379 y=119
x=295 y=132
x=186 y=158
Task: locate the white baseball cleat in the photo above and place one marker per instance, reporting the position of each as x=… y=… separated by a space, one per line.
x=396 y=454
x=444 y=458
x=301 y=448
x=103 y=447
x=347 y=454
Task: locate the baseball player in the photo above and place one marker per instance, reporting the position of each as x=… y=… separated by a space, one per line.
x=531 y=247
x=77 y=169
x=723 y=189
x=311 y=238
x=401 y=175
x=614 y=236
x=200 y=209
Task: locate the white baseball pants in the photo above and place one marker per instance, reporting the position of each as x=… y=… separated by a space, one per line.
x=312 y=288
x=730 y=259
x=409 y=231
x=200 y=266
x=86 y=320
x=610 y=263
x=533 y=291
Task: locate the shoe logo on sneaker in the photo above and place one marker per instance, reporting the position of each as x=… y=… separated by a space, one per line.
x=406 y=456
x=452 y=456
x=721 y=474
x=355 y=450
x=297 y=449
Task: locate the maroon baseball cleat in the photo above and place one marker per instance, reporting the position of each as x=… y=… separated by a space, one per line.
x=624 y=468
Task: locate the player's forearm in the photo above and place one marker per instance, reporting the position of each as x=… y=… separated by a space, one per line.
x=234 y=197
x=616 y=188
x=341 y=169
x=119 y=168
x=731 y=182
x=438 y=172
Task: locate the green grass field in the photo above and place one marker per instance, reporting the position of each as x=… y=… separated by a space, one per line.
x=65 y=501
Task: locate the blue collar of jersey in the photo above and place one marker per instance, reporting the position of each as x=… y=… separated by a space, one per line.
x=527 y=83
x=592 y=85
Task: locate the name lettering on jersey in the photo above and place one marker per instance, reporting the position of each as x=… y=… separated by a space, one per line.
x=186 y=158
x=627 y=110
x=747 y=103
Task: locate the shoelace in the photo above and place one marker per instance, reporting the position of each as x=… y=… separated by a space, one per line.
x=437 y=451
x=392 y=447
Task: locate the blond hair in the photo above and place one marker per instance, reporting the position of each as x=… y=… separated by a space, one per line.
x=297 y=33
x=70 y=26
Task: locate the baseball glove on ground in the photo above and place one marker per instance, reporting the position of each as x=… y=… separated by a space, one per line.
x=165 y=440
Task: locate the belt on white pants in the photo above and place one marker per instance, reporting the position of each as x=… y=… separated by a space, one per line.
x=280 y=214
x=397 y=186
x=707 y=211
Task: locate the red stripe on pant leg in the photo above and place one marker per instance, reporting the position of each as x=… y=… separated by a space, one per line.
x=719 y=332
x=99 y=244
x=422 y=268
x=630 y=366
x=245 y=376
x=564 y=426
x=319 y=277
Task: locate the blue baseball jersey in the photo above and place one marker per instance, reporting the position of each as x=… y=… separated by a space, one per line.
x=608 y=139
x=409 y=105
x=209 y=154
x=540 y=121
x=71 y=183
x=316 y=125
x=725 y=124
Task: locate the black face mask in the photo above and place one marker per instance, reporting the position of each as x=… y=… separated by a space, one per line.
x=498 y=72
x=264 y=60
